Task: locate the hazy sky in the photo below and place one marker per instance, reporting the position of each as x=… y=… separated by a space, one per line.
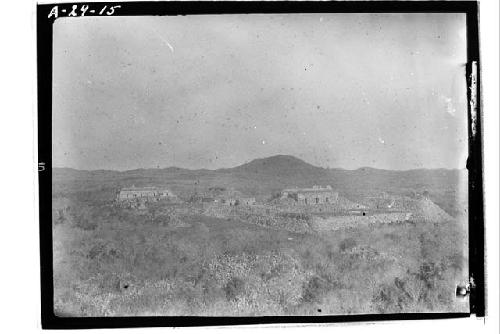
x=337 y=90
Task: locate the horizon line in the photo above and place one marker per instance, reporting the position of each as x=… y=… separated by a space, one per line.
x=279 y=155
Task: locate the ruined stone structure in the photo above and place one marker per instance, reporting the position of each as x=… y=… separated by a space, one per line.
x=144 y=194
x=246 y=201
x=229 y=201
x=206 y=200
x=350 y=221
x=311 y=196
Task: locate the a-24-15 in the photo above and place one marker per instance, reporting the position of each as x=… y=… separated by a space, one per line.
x=82 y=10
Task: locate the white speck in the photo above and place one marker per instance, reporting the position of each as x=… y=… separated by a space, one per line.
x=89 y=82
x=263 y=142
x=255 y=127
x=381 y=140
x=320 y=19
x=449 y=105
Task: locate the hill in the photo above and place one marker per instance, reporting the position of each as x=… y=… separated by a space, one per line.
x=263 y=177
x=282 y=166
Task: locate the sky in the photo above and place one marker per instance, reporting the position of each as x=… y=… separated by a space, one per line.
x=215 y=91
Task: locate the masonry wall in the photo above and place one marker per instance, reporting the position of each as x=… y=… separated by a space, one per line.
x=143 y=194
x=313 y=198
x=246 y=201
x=340 y=222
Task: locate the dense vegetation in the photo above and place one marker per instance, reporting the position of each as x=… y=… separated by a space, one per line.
x=173 y=261
x=177 y=260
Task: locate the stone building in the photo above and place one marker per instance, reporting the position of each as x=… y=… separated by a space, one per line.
x=311 y=196
x=246 y=201
x=149 y=194
x=229 y=201
x=208 y=200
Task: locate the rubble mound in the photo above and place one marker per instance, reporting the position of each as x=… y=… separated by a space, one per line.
x=364 y=252
x=287 y=201
x=422 y=209
x=293 y=222
x=346 y=204
x=342 y=204
x=216 y=210
x=177 y=222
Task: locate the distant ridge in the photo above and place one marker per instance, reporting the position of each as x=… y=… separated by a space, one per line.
x=266 y=176
x=260 y=165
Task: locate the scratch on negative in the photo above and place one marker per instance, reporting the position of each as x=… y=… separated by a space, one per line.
x=164 y=40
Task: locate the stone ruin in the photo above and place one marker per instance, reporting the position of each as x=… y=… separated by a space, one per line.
x=311 y=196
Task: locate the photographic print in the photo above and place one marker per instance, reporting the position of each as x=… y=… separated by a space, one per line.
x=260 y=164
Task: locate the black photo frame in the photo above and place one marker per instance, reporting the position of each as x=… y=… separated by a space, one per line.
x=46 y=17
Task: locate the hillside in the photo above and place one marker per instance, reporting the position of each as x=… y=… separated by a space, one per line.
x=263 y=177
x=211 y=259
x=282 y=166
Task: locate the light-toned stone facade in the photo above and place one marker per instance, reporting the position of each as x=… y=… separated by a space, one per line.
x=311 y=196
x=246 y=201
x=144 y=193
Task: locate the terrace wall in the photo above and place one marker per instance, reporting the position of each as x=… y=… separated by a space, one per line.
x=340 y=222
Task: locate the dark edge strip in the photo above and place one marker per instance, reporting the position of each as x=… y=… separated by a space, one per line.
x=475 y=168
x=44 y=114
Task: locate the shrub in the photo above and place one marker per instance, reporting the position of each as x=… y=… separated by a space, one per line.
x=392 y=237
x=60 y=217
x=234 y=288
x=430 y=273
x=456 y=261
x=109 y=283
x=315 y=290
x=295 y=216
x=347 y=244
x=211 y=291
x=386 y=299
x=84 y=223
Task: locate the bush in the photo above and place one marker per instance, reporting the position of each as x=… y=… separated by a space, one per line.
x=315 y=289
x=211 y=291
x=347 y=244
x=388 y=300
x=84 y=223
x=295 y=216
x=234 y=288
x=430 y=273
x=59 y=217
